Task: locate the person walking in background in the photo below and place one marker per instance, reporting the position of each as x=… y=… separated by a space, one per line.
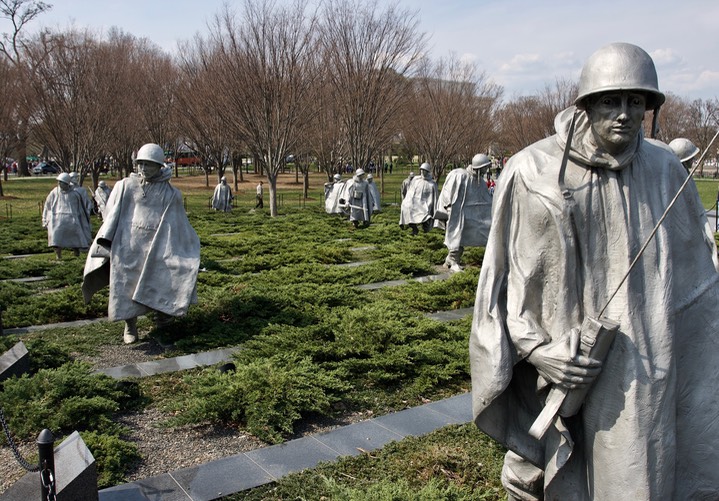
x=259 y=196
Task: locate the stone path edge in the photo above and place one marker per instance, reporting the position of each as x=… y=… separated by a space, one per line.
x=250 y=469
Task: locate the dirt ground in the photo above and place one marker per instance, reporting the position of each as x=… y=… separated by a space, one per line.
x=250 y=181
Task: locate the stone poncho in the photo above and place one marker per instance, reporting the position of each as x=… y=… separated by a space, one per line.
x=146 y=250
x=419 y=203
x=649 y=427
x=469 y=206
x=67 y=220
x=101 y=196
x=222 y=198
x=359 y=200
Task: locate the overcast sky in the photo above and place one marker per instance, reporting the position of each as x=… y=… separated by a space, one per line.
x=522 y=45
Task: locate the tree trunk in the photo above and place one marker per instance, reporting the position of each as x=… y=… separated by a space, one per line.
x=272 y=181
x=22 y=169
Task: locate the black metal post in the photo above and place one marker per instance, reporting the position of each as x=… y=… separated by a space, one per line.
x=46 y=451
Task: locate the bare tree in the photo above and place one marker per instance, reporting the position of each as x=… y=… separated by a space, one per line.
x=368 y=54
x=325 y=137
x=75 y=95
x=448 y=116
x=526 y=119
x=199 y=113
x=10 y=113
x=704 y=117
x=13 y=47
x=674 y=119
x=129 y=130
x=266 y=61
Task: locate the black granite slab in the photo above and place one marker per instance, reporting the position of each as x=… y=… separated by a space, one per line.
x=159 y=488
x=357 y=438
x=296 y=455
x=415 y=421
x=221 y=477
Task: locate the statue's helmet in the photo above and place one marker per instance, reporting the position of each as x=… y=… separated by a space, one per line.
x=684 y=149
x=425 y=167
x=152 y=153
x=102 y=184
x=620 y=66
x=369 y=176
x=480 y=160
x=337 y=177
x=64 y=177
x=359 y=172
x=74 y=177
x=223 y=179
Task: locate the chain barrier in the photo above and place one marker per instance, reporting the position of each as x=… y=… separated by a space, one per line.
x=49 y=485
x=14 y=448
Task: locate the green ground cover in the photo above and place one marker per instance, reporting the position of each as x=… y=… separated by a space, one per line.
x=314 y=346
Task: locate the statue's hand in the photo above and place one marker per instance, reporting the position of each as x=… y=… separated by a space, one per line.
x=555 y=362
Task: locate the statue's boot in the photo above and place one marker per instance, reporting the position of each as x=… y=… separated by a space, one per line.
x=130 y=334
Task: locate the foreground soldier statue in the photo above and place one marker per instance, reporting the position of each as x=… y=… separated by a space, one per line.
x=465 y=210
x=145 y=249
x=222 y=196
x=562 y=241
x=66 y=217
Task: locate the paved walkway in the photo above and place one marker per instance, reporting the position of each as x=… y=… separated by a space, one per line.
x=261 y=466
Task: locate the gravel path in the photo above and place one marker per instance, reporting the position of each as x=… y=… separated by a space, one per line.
x=165 y=449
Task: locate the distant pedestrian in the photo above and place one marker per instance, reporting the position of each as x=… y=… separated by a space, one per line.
x=260 y=192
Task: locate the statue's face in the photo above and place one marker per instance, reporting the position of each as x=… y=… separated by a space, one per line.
x=148 y=170
x=63 y=186
x=616 y=118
